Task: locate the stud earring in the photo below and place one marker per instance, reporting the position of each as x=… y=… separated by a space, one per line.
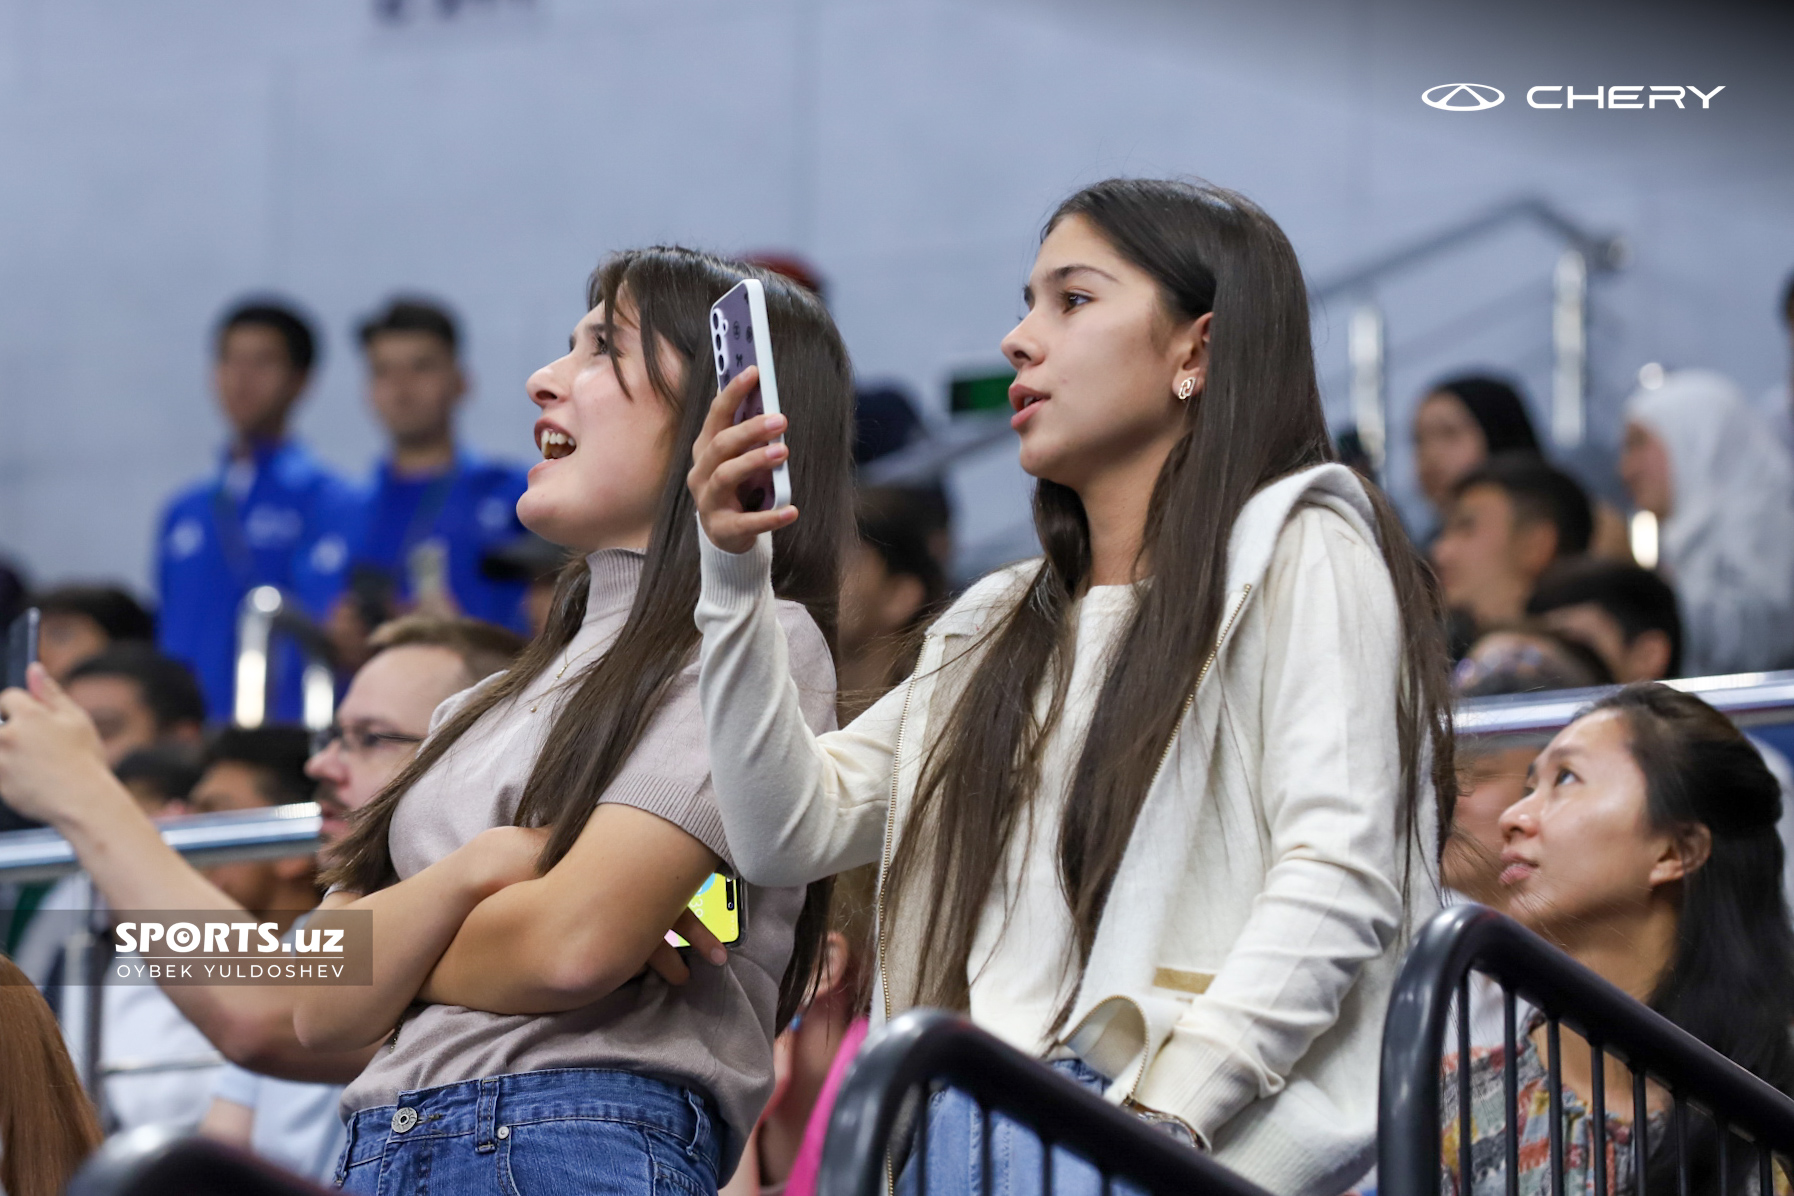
x=1185 y=389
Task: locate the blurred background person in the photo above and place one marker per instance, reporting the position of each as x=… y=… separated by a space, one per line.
x=535 y=564
x=80 y=621
x=272 y=514
x=1626 y=614
x=1507 y=521
x=138 y=698
x=47 y=1124
x=891 y=583
x=1776 y=405
x=434 y=509
x=160 y=778
x=1721 y=487
x=1460 y=424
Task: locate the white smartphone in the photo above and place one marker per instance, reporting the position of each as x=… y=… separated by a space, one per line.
x=740 y=337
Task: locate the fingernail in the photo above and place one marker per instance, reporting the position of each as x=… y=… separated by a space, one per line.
x=719 y=957
x=775 y=422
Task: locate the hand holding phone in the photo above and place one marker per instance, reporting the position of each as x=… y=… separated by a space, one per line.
x=740 y=336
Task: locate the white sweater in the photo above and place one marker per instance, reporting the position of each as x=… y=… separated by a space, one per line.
x=1245 y=956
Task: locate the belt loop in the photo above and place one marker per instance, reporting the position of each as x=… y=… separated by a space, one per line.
x=699 y=1123
x=342 y=1162
x=485 y=1120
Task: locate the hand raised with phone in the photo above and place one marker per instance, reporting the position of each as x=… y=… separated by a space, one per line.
x=725 y=457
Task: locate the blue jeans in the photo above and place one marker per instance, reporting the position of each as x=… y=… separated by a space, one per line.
x=955 y=1162
x=544 y=1132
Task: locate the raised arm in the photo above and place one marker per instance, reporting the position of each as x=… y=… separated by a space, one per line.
x=796 y=806
x=51 y=768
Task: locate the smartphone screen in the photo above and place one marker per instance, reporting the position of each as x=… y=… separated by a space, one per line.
x=719 y=907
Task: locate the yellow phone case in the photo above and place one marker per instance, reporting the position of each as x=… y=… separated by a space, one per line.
x=719 y=906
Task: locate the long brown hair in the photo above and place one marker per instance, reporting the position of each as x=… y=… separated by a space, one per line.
x=670 y=290
x=47 y=1124
x=1258 y=419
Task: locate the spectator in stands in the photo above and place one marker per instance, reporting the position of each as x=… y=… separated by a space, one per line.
x=1646 y=848
x=1460 y=424
x=785 y=1150
x=890 y=585
x=12 y=591
x=160 y=778
x=271 y=514
x=434 y=509
x=251 y=768
x=1722 y=489
x=137 y=698
x=49 y=758
x=47 y=1124
x=1508 y=521
x=1777 y=404
x=1492 y=775
x=1626 y=614
x=82 y=621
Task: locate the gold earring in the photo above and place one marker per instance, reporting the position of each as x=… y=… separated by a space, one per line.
x=1185 y=389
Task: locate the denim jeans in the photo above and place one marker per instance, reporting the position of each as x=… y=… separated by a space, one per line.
x=955 y=1161
x=534 y=1133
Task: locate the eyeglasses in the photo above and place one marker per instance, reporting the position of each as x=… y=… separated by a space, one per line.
x=360 y=740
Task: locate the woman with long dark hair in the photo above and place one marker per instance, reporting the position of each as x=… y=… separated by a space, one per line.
x=523 y=868
x=1646 y=848
x=1158 y=805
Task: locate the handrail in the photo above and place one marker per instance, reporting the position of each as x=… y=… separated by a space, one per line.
x=278 y=832
x=156 y=1159
x=264 y=611
x=1470 y=937
x=1748 y=699
x=925 y=1047
x=1602 y=252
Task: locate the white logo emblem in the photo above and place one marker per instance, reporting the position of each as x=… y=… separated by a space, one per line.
x=329 y=554
x=185 y=538
x=1462 y=97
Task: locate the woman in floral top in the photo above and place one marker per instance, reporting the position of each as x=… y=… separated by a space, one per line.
x=1646 y=848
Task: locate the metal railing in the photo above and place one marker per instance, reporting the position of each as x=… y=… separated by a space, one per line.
x=1748 y=699
x=923 y=1051
x=1436 y=979
x=266 y=611
x=277 y=832
x=155 y=1161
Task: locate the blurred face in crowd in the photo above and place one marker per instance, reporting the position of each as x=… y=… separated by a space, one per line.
x=1488 y=561
x=1645 y=658
x=1644 y=467
x=383 y=716
x=875 y=603
x=1448 y=443
x=260 y=886
x=1579 y=853
x=65 y=638
x=414 y=385
x=123 y=719
x=1098 y=361
x=256 y=381
x=1489 y=782
x=606 y=439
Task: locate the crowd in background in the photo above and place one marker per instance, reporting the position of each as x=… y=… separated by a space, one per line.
x=419 y=581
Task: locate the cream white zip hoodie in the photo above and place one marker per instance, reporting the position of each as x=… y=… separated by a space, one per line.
x=1244 y=959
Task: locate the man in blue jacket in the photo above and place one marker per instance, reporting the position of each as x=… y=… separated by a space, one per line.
x=271 y=514
x=433 y=509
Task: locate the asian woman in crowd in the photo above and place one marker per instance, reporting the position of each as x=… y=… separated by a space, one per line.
x=1157 y=806
x=1645 y=846
x=523 y=869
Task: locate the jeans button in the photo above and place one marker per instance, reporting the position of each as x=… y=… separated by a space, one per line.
x=504 y=1131
x=403 y=1120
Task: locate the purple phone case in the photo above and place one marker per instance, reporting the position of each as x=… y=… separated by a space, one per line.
x=756 y=493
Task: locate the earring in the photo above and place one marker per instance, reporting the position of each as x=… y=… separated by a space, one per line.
x=1185 y=389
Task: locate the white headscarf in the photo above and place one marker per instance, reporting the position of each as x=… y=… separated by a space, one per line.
x=1728 y=544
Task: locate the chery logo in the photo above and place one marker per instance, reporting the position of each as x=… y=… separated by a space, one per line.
x=1462 y=97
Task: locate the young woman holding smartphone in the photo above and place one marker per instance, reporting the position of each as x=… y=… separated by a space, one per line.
x=1159 y=805
x=523 y=870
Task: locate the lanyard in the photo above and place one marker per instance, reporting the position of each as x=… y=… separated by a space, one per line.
x=429 y=507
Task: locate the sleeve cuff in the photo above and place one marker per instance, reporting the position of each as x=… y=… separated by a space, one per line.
x=1200 y=1085
x=732 y=579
